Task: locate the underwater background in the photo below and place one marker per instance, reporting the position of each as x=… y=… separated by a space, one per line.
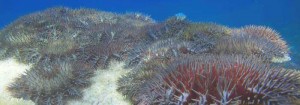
x=139 y=51
x=281 y=15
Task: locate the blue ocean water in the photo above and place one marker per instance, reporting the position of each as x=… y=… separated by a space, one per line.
x=281 y=15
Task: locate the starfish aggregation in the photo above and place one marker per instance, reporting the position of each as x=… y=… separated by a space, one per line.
x=176 y=61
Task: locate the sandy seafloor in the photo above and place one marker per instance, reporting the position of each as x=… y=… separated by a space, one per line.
x=101 y=92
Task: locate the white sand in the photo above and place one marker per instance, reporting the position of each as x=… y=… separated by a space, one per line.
x=103 y=88
x=9 y=70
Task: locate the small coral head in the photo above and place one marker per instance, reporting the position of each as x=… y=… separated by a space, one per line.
x=224 y=83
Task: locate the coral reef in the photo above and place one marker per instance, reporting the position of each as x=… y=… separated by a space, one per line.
x=87 y=54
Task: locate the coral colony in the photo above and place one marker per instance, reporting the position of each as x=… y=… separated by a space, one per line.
x=171 y=62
